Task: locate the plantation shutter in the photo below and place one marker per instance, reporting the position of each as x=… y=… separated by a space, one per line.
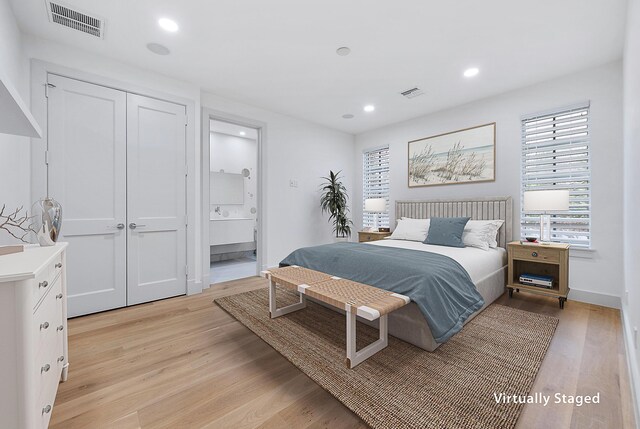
x=555 y=155
x=375 y=183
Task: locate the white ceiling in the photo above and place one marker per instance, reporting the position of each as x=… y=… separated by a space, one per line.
x=280 y=54
x=231 y=129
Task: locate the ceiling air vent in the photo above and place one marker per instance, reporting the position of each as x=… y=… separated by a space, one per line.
x=73 y=18
x=412 y=93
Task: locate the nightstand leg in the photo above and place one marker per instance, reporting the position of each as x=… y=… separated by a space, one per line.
x=510 y=293
x=562 y=301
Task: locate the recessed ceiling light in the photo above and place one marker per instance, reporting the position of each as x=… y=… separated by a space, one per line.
x=168 y=25
x=347 y=116
x=159 y=49
x=471 y=72
x=242 y=133
x=343 y=51
x=369 y=108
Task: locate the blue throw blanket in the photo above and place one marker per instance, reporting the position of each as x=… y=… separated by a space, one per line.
x=439 y=285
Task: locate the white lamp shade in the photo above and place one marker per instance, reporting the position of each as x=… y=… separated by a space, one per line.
x=556 y=200
x=375 y=205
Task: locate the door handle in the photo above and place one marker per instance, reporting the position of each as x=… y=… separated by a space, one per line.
x=120 y=226
x=133 y=225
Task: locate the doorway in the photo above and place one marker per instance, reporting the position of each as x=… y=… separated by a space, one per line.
x=234 y=186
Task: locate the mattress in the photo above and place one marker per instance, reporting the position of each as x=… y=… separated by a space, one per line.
x=479 y=263
x=487 y=269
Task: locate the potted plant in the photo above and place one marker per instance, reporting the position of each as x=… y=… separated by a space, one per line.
x=334 y=200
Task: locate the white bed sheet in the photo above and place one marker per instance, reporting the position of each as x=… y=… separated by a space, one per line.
x=479 y=263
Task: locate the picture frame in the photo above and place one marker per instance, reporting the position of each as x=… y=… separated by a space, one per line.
x=463 y=156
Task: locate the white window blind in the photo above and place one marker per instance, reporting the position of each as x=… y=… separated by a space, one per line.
x=375 y=183
x=555 y=155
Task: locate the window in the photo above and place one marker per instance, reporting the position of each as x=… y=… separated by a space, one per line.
x=555 y=155
x=375 y=183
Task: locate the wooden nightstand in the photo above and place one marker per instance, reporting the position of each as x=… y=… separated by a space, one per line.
x=364 y=236
x=544 y=260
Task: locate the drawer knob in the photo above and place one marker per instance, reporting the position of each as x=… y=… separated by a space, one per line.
x=61 y=359
x=44 y=325
x=534 y=254
x=59 y=265
x=43 y=284
x=46 y=410
x=59 y=296
x=45 y=368
x=60 y=328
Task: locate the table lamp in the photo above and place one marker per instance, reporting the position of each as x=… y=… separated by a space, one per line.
x=375 y=206
x=544 y=202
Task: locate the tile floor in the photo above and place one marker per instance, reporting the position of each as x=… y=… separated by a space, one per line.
x=232 y=269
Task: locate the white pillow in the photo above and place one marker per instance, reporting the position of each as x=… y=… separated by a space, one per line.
x=411 y=229
x=481 y=233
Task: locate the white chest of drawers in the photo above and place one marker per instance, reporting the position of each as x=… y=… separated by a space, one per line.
x=33 y=351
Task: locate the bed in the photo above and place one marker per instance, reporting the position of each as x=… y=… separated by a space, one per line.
x=486 y=268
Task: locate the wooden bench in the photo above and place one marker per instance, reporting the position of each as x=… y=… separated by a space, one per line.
x=356 y=299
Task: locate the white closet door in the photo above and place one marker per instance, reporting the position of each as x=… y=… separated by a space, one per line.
x=156 y=199
x=87 y=175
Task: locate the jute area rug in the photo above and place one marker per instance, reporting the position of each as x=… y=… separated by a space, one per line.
x=500 y=351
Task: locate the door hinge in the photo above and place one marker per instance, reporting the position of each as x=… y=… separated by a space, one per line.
x=186 y=120
x=46 y=89
x=46 y=157
x=186 y=271
x=186 y=170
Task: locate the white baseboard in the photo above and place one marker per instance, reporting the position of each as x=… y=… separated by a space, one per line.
x=193 y=287
x=595 y=298
x=632 y=364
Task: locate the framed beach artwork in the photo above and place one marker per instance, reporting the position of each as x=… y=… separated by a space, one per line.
x=464 y=156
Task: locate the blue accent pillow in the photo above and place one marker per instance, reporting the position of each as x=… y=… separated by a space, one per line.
x=446 y=231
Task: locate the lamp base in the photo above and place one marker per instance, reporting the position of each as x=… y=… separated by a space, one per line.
x=545 y=229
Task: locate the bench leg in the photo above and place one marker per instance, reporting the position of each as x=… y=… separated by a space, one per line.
x=355 y=357
x=277 y=312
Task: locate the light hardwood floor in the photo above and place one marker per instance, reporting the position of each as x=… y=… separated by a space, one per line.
x=185 y=363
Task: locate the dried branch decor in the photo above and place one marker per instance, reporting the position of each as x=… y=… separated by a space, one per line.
x=15 y=224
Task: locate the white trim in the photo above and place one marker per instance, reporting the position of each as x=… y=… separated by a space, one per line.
x=355 y=357
x=405 y=298
x=374 y=148
x=582 y=252
x=632 y=363
x=303 y=288
x=575 y=106
x=274 y=311
x=39 y=74
x=595 y=298
x=261 y=127
x=368 y=312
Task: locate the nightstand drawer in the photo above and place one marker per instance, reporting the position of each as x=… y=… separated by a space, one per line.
x=368 y=237
x=536 y=253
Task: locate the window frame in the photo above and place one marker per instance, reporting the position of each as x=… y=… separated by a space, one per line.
x=570 y=127
x=378 y=191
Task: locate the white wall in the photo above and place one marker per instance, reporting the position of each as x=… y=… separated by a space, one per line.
x=295 y=149
x=14 y=151
x=599 y=273
x=233 y=154
x=299 y=150
x=631 y=306
x=113 y=73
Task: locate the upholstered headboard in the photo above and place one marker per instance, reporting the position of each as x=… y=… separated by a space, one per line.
x=485 y=208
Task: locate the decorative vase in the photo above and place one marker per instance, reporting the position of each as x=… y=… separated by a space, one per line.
x=47 y=221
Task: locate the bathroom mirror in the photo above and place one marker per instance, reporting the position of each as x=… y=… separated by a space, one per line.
x=226 y=188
